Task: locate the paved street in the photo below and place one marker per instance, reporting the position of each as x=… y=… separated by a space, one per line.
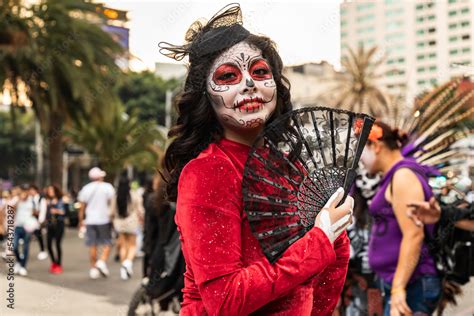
x=73 y=293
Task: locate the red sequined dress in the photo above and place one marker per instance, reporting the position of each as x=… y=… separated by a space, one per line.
x=226 y=270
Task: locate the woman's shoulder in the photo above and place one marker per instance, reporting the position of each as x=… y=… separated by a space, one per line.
x=208 y=163
x=209 y=173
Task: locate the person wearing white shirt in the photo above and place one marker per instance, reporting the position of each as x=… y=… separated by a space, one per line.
x=25 y=225
x=95 y=198
x=40 y=205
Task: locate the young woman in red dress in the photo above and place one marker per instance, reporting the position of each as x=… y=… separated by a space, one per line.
x=234 y=87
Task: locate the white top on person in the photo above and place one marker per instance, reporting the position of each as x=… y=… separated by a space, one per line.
x=97 y=196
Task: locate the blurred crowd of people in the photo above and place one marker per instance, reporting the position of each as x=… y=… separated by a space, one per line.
x=129 y=220
x=136 y=219
x=39 y=214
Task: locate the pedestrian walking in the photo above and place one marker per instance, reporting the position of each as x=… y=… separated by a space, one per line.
x=25 y=225
x=127 y=212
x=56 y=213
x=94 y=215
x=39 y=204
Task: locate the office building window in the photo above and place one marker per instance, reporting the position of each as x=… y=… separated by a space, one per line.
x=465 y=23
x=432 y=68
x=465 y=37
x=421 y=82
x=420 y=69
x=363 y=6
x=432 y=43
x=432 y=55
x=452 y=13
x=453 y=38
x=465 y=10
x=394 y=36
x=431 y=30
x=466 y=49
x=396 y=12
x=420 y=57
x=431 y=17
x=420 y=44
x=452 y=25
x=365 y=18
x=420 y=32
x=453 y=51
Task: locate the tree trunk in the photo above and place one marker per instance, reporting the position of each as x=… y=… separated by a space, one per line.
x=55 y=141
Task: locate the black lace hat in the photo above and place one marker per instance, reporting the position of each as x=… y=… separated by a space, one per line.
x=222 y=31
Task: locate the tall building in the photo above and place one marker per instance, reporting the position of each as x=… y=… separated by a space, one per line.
x=425 y=42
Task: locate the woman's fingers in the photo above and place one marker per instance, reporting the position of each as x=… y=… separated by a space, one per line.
x=405 y=309
x=342 y=224
x=413 y=214
x=335 y=199
x=343 y=210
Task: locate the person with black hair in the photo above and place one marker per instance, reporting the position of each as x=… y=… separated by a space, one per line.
x=39 y=212
x=398 y=252
x=234 y=87
x=127 y=211
x=55 y=215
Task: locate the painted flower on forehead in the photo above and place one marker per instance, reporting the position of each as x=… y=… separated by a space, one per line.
x=376 y=132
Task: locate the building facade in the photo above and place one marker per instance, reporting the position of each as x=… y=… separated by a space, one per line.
x=424 y=43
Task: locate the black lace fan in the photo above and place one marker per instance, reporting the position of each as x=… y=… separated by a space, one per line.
x=294 y=167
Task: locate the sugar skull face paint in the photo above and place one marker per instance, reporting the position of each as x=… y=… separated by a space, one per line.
x=241 y=87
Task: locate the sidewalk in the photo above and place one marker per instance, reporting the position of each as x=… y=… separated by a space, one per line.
x=35 y=298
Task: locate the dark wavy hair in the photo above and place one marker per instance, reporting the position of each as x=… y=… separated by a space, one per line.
x=57 y=192
x=197 y=125
x=123 y=197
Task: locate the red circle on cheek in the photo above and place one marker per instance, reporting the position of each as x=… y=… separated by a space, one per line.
x=227 y=74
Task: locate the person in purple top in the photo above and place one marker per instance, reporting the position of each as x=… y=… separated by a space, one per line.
x=398 y=253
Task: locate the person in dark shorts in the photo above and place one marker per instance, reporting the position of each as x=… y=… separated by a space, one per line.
x=96 y=197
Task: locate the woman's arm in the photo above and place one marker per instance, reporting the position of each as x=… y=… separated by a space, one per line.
x=209 y=216
x=406 y=188
x=327 y=285
x=466 y=224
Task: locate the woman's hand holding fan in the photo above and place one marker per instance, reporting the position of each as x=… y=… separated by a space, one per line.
x=293 y=171
x=333 y=220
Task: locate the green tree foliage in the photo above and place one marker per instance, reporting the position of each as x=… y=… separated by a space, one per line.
x=145 y=94
x=16 y=145
x=360 y=89
x=57 y=51
x=118 y=140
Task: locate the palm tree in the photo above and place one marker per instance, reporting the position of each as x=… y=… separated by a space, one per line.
x=119 y=140
x=358 y=89
x=66 y=62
